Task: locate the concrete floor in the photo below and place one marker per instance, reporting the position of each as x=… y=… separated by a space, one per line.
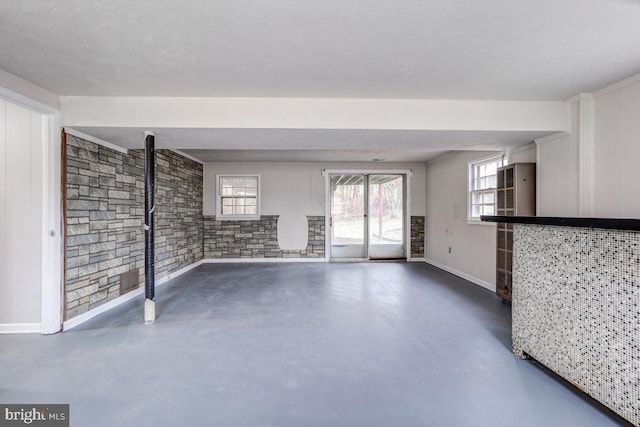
x=378 y=344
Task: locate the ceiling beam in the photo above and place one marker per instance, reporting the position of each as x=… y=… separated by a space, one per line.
x=315 y=113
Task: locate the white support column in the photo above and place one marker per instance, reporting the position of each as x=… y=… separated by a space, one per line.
x=585 y=128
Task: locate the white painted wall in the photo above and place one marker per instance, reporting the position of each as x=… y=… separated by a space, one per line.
x=525 y=154
x=21 y=219
x=294 y=190
x=473 y=246
x=593 y=170
x=617 y=151
x=557 y=177
x=590 y=171
x=557 y=172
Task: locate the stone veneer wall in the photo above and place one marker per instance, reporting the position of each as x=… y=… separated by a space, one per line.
x=179 y=220
x=105 y=211
x=576 y=308
x=417 y=237
x=257 y=239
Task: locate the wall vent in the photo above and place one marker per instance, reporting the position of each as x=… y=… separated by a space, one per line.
x=129 y=281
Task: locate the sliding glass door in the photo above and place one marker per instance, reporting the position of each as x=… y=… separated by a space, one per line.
x=367 y=216
x=386 y=217
x=348 y=216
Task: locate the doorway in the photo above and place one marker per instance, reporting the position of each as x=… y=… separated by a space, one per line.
x=21 y=218
x=30 y=223
x=367 y=216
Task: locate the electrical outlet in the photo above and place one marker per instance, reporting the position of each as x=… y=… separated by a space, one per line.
x=449 y=249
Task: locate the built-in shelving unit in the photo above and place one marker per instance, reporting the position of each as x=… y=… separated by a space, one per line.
x=516 y=196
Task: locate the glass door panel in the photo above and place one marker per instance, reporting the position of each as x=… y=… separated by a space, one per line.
x=348 y=216
x=386 y=217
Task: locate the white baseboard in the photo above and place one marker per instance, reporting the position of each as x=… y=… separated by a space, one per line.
x=20 y=328
x=177 y=273
x=80 y=319
x=465 y=276
x=260 y=260
x=416 y=260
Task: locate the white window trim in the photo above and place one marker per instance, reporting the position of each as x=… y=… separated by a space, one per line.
x=220 y=216
x=470 y=167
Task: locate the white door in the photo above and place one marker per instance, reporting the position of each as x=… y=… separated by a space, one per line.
x=21 y=218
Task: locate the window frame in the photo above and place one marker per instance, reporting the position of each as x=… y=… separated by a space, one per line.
x=501 y=160
x=236 y=217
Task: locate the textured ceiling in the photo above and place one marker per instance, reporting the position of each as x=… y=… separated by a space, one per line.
x=430 y=49
x=456 y=49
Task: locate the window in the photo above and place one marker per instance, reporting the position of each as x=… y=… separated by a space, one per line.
x=238 y=197
x=482 y=187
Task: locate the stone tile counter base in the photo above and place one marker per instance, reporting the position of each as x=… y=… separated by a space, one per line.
x=576 y=308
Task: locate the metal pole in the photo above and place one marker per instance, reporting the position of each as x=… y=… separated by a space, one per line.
x=149 y=207
x=380 y=212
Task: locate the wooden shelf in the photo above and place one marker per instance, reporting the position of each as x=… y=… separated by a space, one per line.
x=516 y=196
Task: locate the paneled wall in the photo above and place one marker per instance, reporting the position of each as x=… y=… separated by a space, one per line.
x=616 y=152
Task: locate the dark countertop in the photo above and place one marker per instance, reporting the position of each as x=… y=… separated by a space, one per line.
x=604 y=223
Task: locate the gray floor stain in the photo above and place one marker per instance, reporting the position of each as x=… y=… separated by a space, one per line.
x=371 y=344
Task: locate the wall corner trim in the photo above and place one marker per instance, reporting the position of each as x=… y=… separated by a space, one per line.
x=483 y=283
x=551 y=137
x=617 y=86
x=80 y=319
x=183 y=154
x=72 y=131
x=522 y=148
x=580 y=97
x=23 y=92
x=20 y=328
